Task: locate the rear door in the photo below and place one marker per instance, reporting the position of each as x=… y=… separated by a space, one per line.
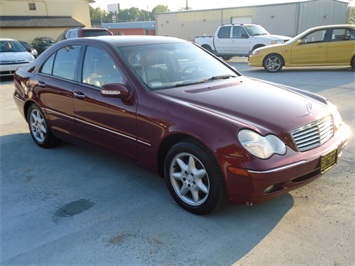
x=55 y=84
x=223 y=42
x=341 y=46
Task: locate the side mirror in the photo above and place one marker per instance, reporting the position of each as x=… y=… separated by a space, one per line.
x=245 y=36
x=300 y=41
x=115 y=90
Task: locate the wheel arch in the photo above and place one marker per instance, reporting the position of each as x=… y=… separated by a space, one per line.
x=207 y=47
x=256 y=46
x=26 y=107
x=170 y=141
x=352 y=62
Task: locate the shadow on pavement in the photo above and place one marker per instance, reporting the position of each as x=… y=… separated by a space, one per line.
x=109 y=211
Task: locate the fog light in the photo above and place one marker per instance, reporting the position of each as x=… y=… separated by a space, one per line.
x=269 y=189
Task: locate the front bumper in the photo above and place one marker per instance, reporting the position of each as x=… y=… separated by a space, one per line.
x=9 y=70
x=261 y=185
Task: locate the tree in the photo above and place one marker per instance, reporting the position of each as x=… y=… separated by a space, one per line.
x=99 y=16
x=351 y=15
x=159 y=9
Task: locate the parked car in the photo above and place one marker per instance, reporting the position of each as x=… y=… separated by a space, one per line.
x=332 y=45
x=42 y=43
x=214 y=134
x=12 y=56
x=83 y=32
x=29 y=48
x=238 y=40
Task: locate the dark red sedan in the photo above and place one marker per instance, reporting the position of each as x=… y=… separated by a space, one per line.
x=169 y=105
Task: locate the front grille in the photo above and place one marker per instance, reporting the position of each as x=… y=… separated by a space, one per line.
x=313 y=134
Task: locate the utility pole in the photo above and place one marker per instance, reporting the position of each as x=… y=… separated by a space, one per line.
x=187 y=4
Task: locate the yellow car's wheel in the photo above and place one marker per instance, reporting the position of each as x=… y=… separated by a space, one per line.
x=273 y=62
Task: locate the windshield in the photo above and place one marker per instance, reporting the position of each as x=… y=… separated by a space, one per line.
x=255 y=30
x=11 y=46
x=169 y=65
x=47 y=41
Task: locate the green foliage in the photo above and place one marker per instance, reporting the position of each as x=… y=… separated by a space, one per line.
x=99 y=16
x=351 y=15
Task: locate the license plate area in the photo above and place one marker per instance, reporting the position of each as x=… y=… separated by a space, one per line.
x=328 y=161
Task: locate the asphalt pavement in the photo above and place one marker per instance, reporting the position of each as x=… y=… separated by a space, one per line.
x=72 y=205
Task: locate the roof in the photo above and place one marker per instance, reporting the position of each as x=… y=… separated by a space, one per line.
x=148 y=25
x=38 y=22
x=125 y=40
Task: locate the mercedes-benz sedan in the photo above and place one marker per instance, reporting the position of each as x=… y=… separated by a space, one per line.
x=215 y=135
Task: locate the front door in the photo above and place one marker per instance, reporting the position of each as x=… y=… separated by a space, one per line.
x=105 y=121
x=312 y=50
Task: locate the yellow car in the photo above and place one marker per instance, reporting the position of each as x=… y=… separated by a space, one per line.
x=331 y=45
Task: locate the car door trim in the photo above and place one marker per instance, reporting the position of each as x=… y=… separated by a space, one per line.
x=50 y=111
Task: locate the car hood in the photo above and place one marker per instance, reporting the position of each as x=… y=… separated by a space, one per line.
x=15 y=57
x=274 y=37
x=257 y=104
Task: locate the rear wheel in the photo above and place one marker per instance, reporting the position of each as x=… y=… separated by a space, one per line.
x=226 y=58
x=40 y=132
x=273 y=63
x=353 y=63
x=194 y=178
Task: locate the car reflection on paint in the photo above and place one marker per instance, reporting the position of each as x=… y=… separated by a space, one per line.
x=213 y=134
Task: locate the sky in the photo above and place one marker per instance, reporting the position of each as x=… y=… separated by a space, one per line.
x=175 y=5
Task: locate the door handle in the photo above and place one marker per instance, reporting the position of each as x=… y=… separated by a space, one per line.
x=41 y=83
x=79 y=95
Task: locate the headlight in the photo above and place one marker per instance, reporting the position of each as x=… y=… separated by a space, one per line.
x=277 y=42
x=338 y=121
x=261 y=146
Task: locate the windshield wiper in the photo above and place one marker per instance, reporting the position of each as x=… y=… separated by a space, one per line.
x=221 y=77
x=204 y=80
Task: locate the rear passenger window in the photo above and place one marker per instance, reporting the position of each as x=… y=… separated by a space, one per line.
x=224 y=32
x=48 y=66
x=342 y=35
x=63 y=63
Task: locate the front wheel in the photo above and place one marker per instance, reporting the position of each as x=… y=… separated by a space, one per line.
x=273 y=63
x=40 y=132
x=194 y=178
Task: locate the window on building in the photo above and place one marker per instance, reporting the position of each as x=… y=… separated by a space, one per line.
x=32 y=6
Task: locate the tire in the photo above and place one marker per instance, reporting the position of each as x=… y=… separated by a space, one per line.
x=273 y=63
x=194 y=178
x=40 y=132
x=353 y=63
x=226 y=58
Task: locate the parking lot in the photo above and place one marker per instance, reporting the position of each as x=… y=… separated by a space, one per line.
x=73 y=205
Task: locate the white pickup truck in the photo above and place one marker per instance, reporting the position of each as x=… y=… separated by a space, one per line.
x=238 y=40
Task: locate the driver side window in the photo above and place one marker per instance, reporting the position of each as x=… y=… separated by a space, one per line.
x=99 y=69
x=315 y=37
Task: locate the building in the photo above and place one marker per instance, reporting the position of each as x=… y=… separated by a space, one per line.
x=25 y=20
x=287 y=19
x=131 y=28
